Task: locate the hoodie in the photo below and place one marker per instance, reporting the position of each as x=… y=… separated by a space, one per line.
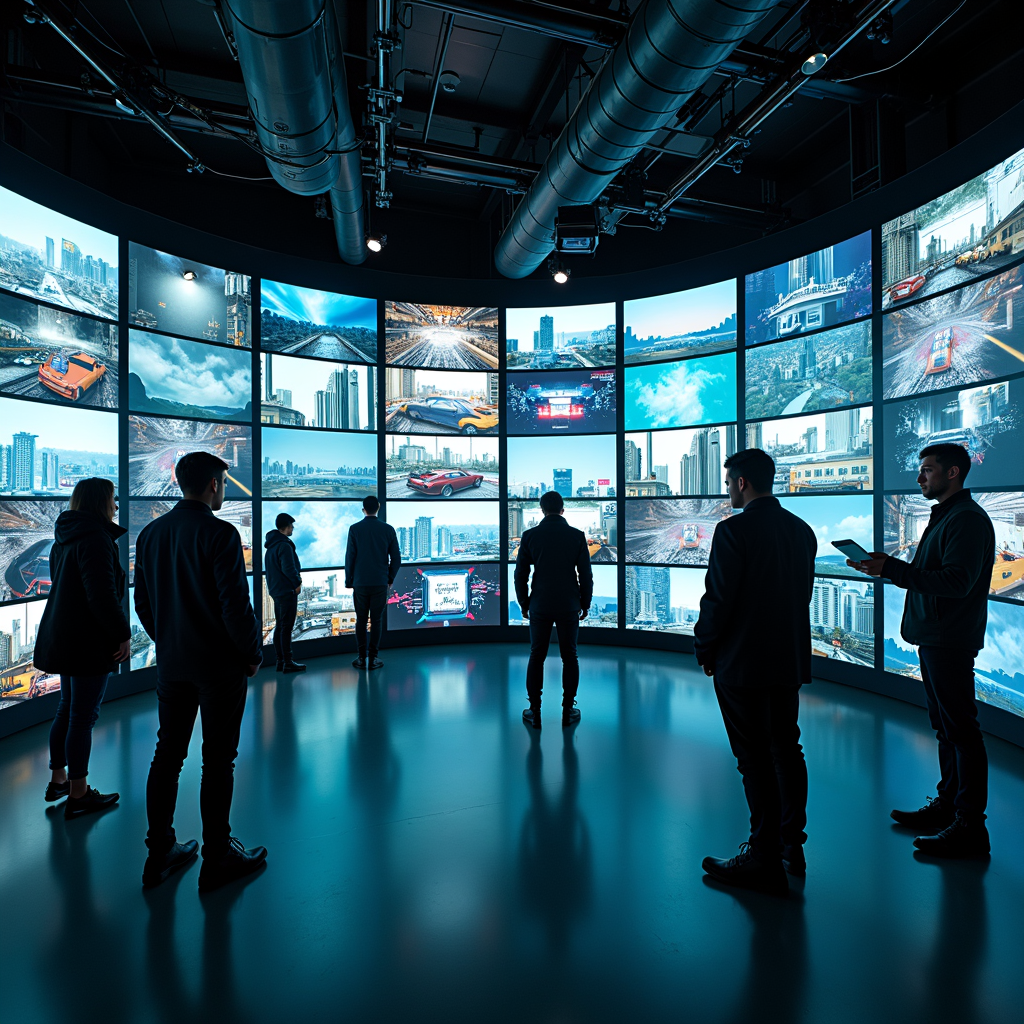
x=281 y=565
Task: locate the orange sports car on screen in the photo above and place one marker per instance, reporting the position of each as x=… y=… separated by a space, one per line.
x=70 y=376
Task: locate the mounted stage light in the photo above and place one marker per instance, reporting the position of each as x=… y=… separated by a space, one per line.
x=814 y=63
x=577 y=229
x=558 y=270
x=375 y=244
x=189 y=275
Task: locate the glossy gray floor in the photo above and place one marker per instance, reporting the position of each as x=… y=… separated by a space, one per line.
x=430 y=860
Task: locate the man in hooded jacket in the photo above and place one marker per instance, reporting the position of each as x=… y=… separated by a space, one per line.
x=284 y=581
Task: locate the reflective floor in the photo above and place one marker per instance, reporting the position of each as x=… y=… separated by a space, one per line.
x=431 y=860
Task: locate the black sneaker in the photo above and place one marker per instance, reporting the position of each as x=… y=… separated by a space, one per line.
x=57 y=790
x=373 y=663
x=89 y=803
x=960 y=839
x=293 y=666
x=570 y=716
x=159 y=868
x=933 y=817
x=793 y=861
x=747 y=872
x=236 y=863
x=531 y=716
x=359 y=663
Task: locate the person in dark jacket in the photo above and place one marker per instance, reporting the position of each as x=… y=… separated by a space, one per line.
x=284 y=582
x=372 y=560
x=946 y=610
x=754 y=636
x=82 y=637
x=192 y=598
x=560 y=595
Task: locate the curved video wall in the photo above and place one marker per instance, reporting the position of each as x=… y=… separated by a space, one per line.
x=116 y=359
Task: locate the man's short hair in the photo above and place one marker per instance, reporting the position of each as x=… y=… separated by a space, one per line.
x=948 y=456
x=283 y=520
x=371 y=505
x=195 y=470
x=754 y=465
x=551 y=502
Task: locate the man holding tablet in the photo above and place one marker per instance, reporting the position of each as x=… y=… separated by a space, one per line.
x=947 y=586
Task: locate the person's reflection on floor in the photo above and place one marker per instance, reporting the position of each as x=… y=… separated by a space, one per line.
x=219 y=992
x=555 y=857
x=283 y=759
x=171 y=1002
x=374 y=769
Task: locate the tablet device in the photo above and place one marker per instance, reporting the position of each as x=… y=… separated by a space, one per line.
x=853 y=551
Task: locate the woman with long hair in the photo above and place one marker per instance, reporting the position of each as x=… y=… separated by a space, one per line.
x=83 y=635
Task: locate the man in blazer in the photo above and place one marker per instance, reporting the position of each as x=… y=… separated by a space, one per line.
x=192 y=598
x=560 y=595
x=754 y=636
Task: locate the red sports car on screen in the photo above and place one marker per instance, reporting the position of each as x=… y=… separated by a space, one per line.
x=941 y=355
x=444 y=482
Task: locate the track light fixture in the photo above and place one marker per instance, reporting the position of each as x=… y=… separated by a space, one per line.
x=375 y=244
x=189 y=275
x=558 y=270
x=814 y=63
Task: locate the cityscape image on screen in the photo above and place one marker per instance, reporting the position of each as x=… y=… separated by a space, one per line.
x=57 y=356
x=672 y=531
x=549 y=337
x=604 y=606
x=829 y=451
x=26 y=536
x=576 y=467
x=836 y=517
x=441 y=337
x=662 y=599
x=318 y=464
x=325 y=608
x=811 y=373
x=597 y=519
x=673 y=462
x=20 y=680
x=822 y=289
x=321 y=529
x=45 y=255
x=439 y=402
x=971 y=230
x=464 y=531
x=972 y=334
x=683 y=394
x=441 y=466
x=183 y=297
x=327 y=396
x=322 y=325
x=843 y=620
x=688 y=323
x=560 y=402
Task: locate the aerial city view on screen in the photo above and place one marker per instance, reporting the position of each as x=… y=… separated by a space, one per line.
x=451 y=595
x=321 y=529
x=325 y=607
x=560 y=402
x=597 y=519
x=441 y=337
x=461 y=532
x=441 y=467
x=836 y=517
x=688 y=323
x=829 y=451
x=563 y=337
x=26 y=536
x=441 y=402
x=810 y=373
x=664 y=462
x=822 y=289
x=972 y=334
x=324 y=325
x=672 y=531
x=318 y=464
x=20 y=680
x=682 y=394
x=662 y=599
x=57 y=356
x=45 y=255
x=576 y=467
x=190 y=299
x=328 y=396
x=604 y=606
x=971 y=230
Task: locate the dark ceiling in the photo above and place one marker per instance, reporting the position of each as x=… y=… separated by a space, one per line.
x=454 y=190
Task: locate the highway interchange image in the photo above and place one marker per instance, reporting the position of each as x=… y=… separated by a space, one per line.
x=441 y=337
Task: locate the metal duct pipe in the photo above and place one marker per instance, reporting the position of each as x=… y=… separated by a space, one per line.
x=290 y=56
x=671 y=49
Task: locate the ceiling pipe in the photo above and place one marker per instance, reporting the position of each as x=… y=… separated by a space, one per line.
x=671 y=49
x=289 y=53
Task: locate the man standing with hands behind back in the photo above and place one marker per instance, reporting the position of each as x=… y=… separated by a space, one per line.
x=945 y=614
x=284 y=582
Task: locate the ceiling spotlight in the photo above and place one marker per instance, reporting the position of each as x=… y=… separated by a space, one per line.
x=814 y=63
x=376 y=244
x=189 y=275
x=558 y=270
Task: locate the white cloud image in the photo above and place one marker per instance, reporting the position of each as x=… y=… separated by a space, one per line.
x=190 y=372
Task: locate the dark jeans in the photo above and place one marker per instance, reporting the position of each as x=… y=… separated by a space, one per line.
x=285 y=610
x=369 y=602
x=948 y=677
x=71 y=732
x=221 y=703
x=540 y=638
x=765 y=738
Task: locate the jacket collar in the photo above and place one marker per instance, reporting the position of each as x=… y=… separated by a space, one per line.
x=944 y=507
x=759 y=504
x=194 y=506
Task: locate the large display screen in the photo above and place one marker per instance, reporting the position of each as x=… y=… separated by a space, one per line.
x=830 y=451
x=561 y=402
x=672 y=531
x=441 y=467
x=445 y=595
x=988 y=421
x=688 y=323
x=187 y=298
x=321 y=529
x=682 y=394
x=664 y=462
x=324 y=395
x=318 y=464
x=26 y=536
x=45 y=255
x=20 y=680
x=821 y=289
x=597 y=519
x=604 y=606
x=325 y=608
x=546 y=337
x=56 y=356
x=432 y=402
x=576 y=467
x=323 y=325
x=441 y=337
x=812 y=373
x=662 y=599
x=464 y=531
x=836 y=517
x=971 y=230
x=972 y=334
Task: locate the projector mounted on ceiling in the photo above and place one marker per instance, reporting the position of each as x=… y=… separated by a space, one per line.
x=577 y=229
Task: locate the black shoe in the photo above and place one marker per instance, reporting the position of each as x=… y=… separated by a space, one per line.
x=931 y=818
x=236 y=863
x=57 y=790
x=960 y=839
x=280 y=666
x=359 y=663
x=293 y=666
x=91 y=802
x=531 y=716
x=373 y=663
x=159 y=868
x=570 y=716
x=793 y=861
x=747 y=872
